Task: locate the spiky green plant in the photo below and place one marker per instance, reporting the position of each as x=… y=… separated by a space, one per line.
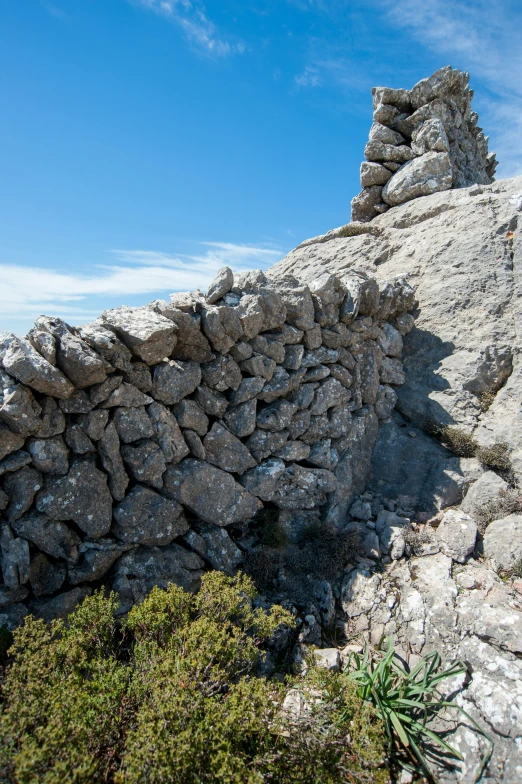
x=408 y=702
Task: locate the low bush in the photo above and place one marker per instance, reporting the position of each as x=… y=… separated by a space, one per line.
x=505 y=503
x=173 y=696
x=459 y=441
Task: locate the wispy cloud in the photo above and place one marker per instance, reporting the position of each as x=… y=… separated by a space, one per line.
x=53 y=9
x=483 y=37
x=309 y=77
x=28 y=291
x=200 y=32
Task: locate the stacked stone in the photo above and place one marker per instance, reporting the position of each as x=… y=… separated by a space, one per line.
x=135 y=450
x=422 y=141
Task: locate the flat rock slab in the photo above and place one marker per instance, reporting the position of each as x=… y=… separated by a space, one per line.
x=145 y=517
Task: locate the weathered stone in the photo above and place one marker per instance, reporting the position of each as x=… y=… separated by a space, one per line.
x=378 y=151
x=215 y=545
x=278 y=386
x=488 y=487
x=373 y=174
x=317 y=373
x=82 y=495
x=457 y=533
x=329 y=393
x=293 y=357
x=213 y=328
x=18 y=408
x=259 y=365
x=132 y=424
x=14 y=558
x=20 y=360
x=210 y=493
x=321 y=356
x=503 y=543
x=395 y=97
x=292 y=487
x=192 y=344
x=191 y=416
x=60 y=606
x=174 y=380
x=428 y=174
x=53 y=420
x=109 y=451
x=137 y=572
x=263 y=443
x=145 y=462
x=300 y=423
x=74 y=357
x=45 y=577
x=50 y=455
x=323 y=455
x=94 y=423
x=241 y=351
x=342 y=375
x=167 y=433
x=241 y=419
x=9 y=596
x=150 y=336
x=385 y=113
x=428 y=136
x=381 y=133
x=313 y=338
x=213 y=403
x=292 y=335
x=277 y=415
x=391 y=341
x=95 y=560
x=391 y=372
x=126 y=396
x=138 y=374
x=144 y=517
x=328 y=659
x=78 y=403
x=221 y=373
x=44 y=343
x=195 y=444
x=298 y=302
x=390 y=528
x=225 y=451
x=293 y=451
x=4 y=500
x=272 y=349
x=21 y=487
x=103 y=340
x=100 y=392
x=49 y=536
x=9 y=441
x=385 y=402
x=248 y=389
x=221 y=285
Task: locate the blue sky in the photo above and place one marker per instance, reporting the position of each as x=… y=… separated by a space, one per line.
x=145 y=143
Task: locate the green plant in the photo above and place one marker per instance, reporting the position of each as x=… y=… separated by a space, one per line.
x=459 y=441
x=172 y=695
x=495 y=456
x=407 y=702
x=486 y=400
x=272 y=533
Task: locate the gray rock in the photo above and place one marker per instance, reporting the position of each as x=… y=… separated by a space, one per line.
x=4 y=500
x=248 y=389
x=14 y=558
x=100 y=392
x=313 y=338
x=138 y=571
x=150 y=336
x=49 y=536
x=361 y=510
x=195 y=444
x=44 y=343
x=221 y=373
x=259 y=365
x=20 y=360
x=281 y=384
x=385 y=402
x=317 y=373
x=10 y=596
x=21 y=487
x=300 y=423
x=503 y=543
x=46 y=577
x=74 y=357
x=263 y=443
x=18 y=408
x=341 y=374
x=167 y=433
x=213 y=403
x=191 y=416
x=293 y=357
x=321 y=356
x=127 y=396
x=174 y=380
x=329 y=393
x=221 y=285
x=95 y=560
x=132 y=424
x=145 y=462
x=381 y=133
x=293 y=451
x=292 y=487
x=262 y=481
x=423 y=176
x=94 y=423
x=391 y=372
x=225 y=451
x=53 y=420
x=82 y=496
x=145 y=517
x=298 y=302
x=270 y=348
x=9 y=441
x=14 y=462
x=323 y=455
x=78 y=403
x=390 y=340
x=214 y=329
x=485 y=489
x=373 y=174
x=457 y=533
x=276 y=416
x=60 y=606
x=430 y=135
x=241 y=419
x=365 y=204
x=378 y=151
x=292 y=335
x=328 y=659
x=241 y=351
x=138 y=374
x=192 y=344
x=210 y=493
x=12 y=615
x=103 y=340
x=50 y=455
x=109 y=452
x=215 y=545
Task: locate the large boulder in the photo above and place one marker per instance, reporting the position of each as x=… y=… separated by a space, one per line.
x=422 y=176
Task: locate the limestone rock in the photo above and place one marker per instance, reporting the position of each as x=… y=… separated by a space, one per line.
x=167 y=433
x=423 y=176
x=191 y=416
x=18 y=407
x=14 y=558
x=74 y=357
x=457 y=534
x=49 y=536
x=132 y=424
x=225 y=451
x=150 y=336
x=221 y=285
x=430 y=135
x=503 y=543
x=126 y=395
x=215 y=545
x=210 y=493
x=145 y=462
x=50 y=455
x=20 y=360
x=374 y=174
x=485 y=489
x=81 y=495
x=109 y=452
x=21 y=487
x=145 y=517
x=174 y=380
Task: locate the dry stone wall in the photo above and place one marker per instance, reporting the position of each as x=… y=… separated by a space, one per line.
x=422 y=141
x=139 y=449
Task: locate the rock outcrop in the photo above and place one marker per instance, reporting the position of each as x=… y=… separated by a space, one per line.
x=191 y=416
x=422 y=141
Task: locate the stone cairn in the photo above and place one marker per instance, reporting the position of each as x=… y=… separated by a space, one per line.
x=422 y=141
x=139 y=449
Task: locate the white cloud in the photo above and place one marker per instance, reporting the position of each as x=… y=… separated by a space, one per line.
x=309 y=77
x=484 y=37
x=28 y=291
x=201 y=33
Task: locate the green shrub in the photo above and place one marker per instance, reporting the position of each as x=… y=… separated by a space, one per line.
x=495 y=456
x=505 y=503
x=173 y=696
x=459 y=441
